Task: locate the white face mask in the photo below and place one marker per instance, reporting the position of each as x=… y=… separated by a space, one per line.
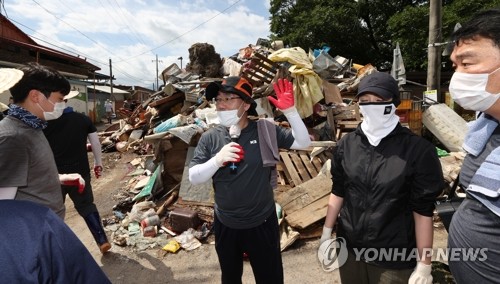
x=229 y=117
x=56 y=113
x=469 y=91
x=379 y=119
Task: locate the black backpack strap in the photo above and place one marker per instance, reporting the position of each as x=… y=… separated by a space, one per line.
x=454 y=186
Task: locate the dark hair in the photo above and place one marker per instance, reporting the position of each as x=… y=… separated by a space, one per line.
x=485 y=24
x=39 y=77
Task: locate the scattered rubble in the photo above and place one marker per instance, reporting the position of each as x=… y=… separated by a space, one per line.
x=159 y=208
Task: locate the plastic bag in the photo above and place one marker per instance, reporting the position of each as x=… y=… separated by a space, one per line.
x=188 y=240
x=169 y=124
x=327 y=67
x=141 y=210
x=172 y=246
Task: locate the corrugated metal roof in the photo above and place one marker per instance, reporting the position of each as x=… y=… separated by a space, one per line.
x=107 y=89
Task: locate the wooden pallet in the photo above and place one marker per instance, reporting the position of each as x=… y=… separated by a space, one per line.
x=297 y=167
x=262 y=70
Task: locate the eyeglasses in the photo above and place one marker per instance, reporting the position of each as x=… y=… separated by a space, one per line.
x=224 y=100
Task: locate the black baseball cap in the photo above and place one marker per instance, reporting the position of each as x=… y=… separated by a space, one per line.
x=382 y=84
x=233 y=85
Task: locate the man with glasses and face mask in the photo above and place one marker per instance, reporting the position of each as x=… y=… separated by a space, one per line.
x=475 y=85
x=245 y=218
x=385 y=182
x=27 y=168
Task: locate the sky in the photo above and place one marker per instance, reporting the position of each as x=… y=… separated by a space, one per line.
x=133 y=32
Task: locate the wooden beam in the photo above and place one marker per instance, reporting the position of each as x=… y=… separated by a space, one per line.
x=299 y=166
x=302 y=195
x=310 y=168
x=290 y=168
x=309 y=214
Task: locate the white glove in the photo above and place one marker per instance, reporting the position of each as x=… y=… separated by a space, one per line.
x=326 y=235
x=231 y=152
x=421 y=274
x=73 y=180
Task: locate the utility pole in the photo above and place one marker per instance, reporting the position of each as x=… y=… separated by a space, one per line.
x=111 y=78
x=180 y=58
x=434 y=49
x=157 y=86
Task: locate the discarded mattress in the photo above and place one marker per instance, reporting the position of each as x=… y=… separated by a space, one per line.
x=448 y=127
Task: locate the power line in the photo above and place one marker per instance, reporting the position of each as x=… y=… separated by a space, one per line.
x=113 y=18
x=57 y=17
x=84 y=18
x=112 y=53
x=185 y=33
x=134 y=32
x=2 y=5
x=76 y=52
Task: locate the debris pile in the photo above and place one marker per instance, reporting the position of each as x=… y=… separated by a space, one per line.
x=160 y=208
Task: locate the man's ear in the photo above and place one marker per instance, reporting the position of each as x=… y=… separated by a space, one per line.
x=34 y=96
x=493 y=84
x=247 y=106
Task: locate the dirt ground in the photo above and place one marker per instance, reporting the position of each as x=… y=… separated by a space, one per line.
x=125 y=265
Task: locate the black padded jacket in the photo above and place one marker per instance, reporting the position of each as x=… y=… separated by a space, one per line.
x=382 y=186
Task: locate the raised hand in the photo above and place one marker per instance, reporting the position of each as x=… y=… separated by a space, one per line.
x=284 y=93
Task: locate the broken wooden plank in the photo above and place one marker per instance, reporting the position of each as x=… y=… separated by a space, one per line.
x=181 y=201
x=300 y=196
x=265 y=59
x=323 y=157
x=286 y=173
x=323 y=143
x=249 y=79
x=311 y=232
x=290 y=168
x=305 y=160
x=259 y=75
x=317 y=163
x=299 y=166
x=280 y=174
x=316 y=151
x=175 y=96
x=262 y=67
x=309 y=214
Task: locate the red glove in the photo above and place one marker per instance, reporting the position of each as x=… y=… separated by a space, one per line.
x=284 y=93
x=89 y=147
x=73 y=180
x=231 y=152
x=98 y=171
x=240 y=153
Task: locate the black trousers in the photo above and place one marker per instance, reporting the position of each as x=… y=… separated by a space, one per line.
x=84 y=203
x=261 y=243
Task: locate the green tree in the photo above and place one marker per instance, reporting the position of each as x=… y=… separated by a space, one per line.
x=410 y=28
x=367 y=30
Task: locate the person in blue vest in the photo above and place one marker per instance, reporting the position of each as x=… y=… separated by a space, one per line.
x=475 y=85
x=38 y=247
